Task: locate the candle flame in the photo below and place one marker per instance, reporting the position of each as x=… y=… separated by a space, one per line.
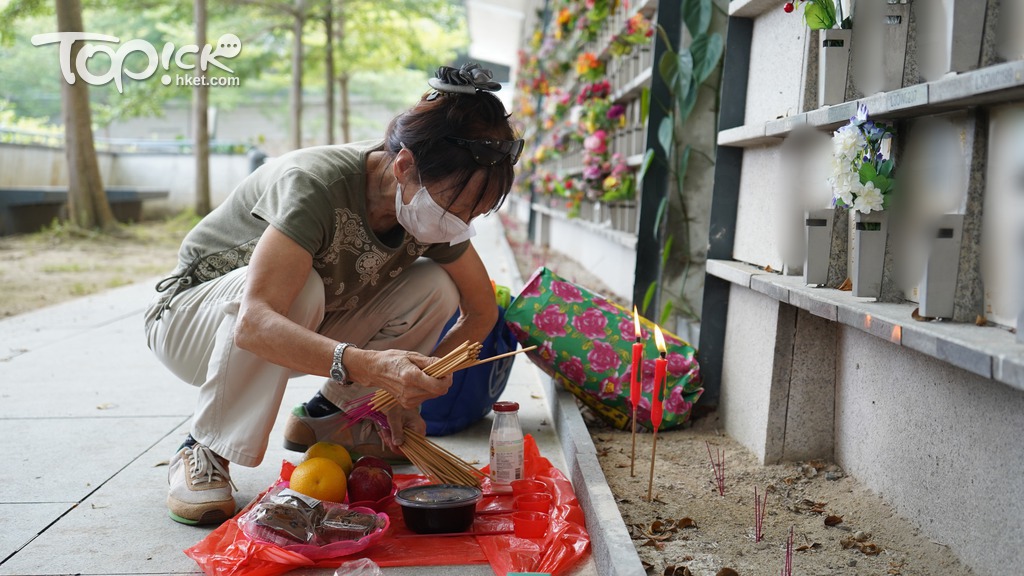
x=660 y=340
x=636 y=324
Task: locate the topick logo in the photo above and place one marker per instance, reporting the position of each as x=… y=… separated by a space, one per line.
x=228 y=46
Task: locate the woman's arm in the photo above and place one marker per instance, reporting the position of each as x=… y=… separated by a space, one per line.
x=476 y=301
x=277 y=273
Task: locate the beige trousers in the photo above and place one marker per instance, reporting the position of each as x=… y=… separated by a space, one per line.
x=239 y=392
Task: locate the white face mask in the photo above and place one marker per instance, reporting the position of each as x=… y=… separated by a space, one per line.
x=428 y=222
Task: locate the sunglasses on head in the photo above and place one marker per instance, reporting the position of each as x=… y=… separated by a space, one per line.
x=490 y=152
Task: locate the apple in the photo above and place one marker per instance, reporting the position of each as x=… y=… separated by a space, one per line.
x=373 y=462
x=368 y=484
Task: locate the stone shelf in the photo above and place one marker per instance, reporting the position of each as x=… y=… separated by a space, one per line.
x=752 y=8
x=1000 y=83
x=626 y=239
x=988 y=351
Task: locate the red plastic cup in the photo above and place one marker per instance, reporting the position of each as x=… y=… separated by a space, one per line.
x=520 y=487
x=535 y=501
x=529 y=524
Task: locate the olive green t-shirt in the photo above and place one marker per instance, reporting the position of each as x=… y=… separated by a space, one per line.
x=317 y=197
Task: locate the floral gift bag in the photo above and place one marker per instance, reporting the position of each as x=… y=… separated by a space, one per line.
x=586 y=341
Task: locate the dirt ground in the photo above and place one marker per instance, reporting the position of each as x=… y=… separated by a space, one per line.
x=688 y=528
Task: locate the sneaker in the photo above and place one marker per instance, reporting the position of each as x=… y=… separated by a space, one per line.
x=360 y=439
x=200 y=491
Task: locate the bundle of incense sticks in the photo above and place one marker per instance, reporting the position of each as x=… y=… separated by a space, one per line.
x=437 y=463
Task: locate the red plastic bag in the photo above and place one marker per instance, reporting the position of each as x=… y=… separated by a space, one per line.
x=228 y=551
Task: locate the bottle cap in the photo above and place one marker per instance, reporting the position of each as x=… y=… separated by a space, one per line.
x=505 y=406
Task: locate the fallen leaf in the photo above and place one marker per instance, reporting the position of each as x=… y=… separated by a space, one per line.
x=833 y=519
x=686 y=523
x=767 y=269
x=811 y=546
x=870 y=549
x=727 y=572
x=647 y=565
x=621 y=466
x=980 y=320
x=916 y=315
x=846 y=286
x=847 y=543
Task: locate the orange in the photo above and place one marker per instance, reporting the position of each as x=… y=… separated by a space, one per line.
x=331 y=451
x=320 y=478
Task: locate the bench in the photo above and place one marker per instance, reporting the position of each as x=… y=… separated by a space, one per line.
x=25 y=209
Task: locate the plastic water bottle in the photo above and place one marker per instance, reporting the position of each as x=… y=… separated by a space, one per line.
x=506 y=445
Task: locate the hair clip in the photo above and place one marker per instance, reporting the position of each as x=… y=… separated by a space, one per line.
x=465 y=80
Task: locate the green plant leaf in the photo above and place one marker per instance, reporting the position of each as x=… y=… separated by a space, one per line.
x=697 y=16
x=706 y=50
x=648 y=158
x=666 y=313
x=662 y=209
x=886 y=168
x=648 y=298
x=684 y=164
x=668 y=68
x=687 y=102
x=645 y=103
x=867 y=173
x=665 y=133
x=667 y=250
x=820 y=14
x=684 y=73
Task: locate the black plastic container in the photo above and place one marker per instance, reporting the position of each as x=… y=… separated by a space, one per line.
x=438 y=508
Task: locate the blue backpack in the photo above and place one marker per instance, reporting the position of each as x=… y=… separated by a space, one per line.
x=475 y=389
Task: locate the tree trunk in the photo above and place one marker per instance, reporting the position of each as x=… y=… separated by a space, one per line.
x=87 y=201
x=300 y=19
x=346 y=132
x=200 y=128
x=329 y=66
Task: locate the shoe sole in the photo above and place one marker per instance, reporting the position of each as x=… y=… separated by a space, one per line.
x=208 y=517
x=294 y=446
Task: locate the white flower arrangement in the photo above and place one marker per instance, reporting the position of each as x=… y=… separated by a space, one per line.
x=861 y=175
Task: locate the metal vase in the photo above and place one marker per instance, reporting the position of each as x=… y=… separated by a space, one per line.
x=896 y=24
x=818 y=247
x=833 y=65
x=870 y=233
x=938 y=287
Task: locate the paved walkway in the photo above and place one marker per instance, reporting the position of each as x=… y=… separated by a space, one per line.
x=89 y=418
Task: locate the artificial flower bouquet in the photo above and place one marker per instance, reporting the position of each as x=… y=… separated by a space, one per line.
x=861 y=170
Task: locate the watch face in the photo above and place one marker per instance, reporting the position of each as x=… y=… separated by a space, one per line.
x=337 y=374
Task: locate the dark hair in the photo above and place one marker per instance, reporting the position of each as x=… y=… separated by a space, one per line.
x=423 y=128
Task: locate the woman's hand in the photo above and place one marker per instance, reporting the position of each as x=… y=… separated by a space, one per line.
x=401 y=418
x=397 y=371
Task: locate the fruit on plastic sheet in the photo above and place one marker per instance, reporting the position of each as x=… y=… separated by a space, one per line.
x=331 y=451
x=374 y=462
x=368 y=483
x=320 y=478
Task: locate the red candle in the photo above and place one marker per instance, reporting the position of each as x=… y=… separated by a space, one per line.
x=635 y=384
x=660 y=367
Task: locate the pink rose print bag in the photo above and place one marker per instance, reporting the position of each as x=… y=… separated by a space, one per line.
x=585 y=342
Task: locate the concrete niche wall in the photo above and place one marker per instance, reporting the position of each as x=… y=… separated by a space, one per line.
x=930 y=438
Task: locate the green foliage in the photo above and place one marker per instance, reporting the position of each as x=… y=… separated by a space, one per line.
x=684 y=72
x=820 y=14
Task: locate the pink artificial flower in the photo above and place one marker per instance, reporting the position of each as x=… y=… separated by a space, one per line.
x=605 y=304
x=518 y=331
x=615 y=111
x=546 y=353
x=678 y=364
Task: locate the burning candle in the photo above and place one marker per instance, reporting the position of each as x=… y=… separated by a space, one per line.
x=636 y=381
x=657 y=396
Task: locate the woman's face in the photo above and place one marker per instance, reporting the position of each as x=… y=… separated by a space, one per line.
x=468 y=203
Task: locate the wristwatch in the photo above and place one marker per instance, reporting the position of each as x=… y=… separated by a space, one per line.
x=338 y=372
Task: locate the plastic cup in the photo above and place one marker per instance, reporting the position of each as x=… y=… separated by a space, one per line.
x=520 y=487
x=529 y=524
x=535 y=501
